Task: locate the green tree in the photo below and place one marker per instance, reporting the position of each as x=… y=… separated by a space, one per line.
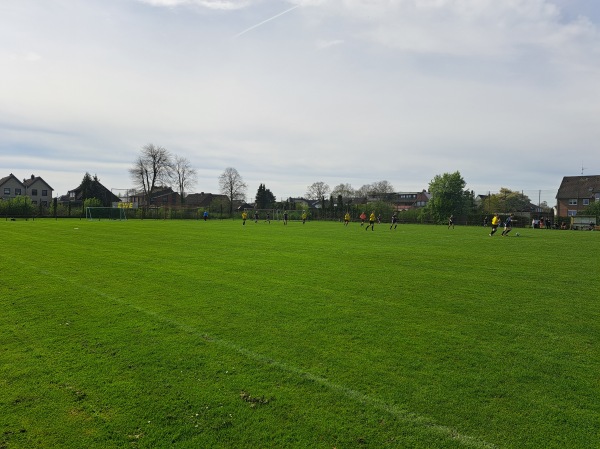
x=18 y=206
x=509 y=201
x=448 y=196
x=264 y=198
x=593 y=209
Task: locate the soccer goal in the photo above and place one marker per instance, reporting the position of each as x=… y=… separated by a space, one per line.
x=106 y=213
x=273 y=214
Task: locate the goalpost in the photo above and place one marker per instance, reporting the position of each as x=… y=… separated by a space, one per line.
x=274 y=214
x=107 y=213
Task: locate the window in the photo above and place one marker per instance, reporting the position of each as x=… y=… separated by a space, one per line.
x=33 y=192
x=7 y=190
x=571 y=213
x=573 y=202
x=586 y=202
x=44 y=193
x=34 y=202
x=17 y=191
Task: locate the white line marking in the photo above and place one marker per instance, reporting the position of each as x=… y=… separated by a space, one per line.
x=398 y=412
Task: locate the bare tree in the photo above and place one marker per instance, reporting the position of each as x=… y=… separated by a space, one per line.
x=184 y=175
x=317 y=190
x=152 y=167
x=378 y=189
x=233 y=186
x=344 y=190
x=364 y=191
x=381 y=189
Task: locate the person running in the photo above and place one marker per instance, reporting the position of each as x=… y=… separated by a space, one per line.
x=394 y=221
x=379 y=219
x=371 y=222
x=285 y=217
x=303 y=217
x=451 y=222
x=507 y=225
x=495 y=223
x=346 y=218
x=244 y=218
x=363 y=217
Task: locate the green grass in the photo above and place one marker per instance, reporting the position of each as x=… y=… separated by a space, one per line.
x=188 y=334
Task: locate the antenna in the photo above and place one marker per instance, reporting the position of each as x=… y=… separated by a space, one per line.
x=582 y=168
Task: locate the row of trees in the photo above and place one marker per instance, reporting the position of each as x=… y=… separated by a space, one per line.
x=319 y=190
x=156 y=166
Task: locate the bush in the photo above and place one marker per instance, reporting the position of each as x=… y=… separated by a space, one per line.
x=19 y=206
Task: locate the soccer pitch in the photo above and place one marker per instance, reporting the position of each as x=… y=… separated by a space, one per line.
x=190 y=334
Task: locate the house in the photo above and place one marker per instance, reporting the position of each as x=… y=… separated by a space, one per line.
x=93 y=190
x=205 y=200
x=38 y=190
x=576 y=193
x=160 y=197
x=11 y=187
x=410 y=200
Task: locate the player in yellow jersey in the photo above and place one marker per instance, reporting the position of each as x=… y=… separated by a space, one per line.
x=346 y=218
x=495 y=223
x=303 y=217
x=371 y=221
x=244 y=218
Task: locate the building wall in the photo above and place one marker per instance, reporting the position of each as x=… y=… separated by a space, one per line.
x=40 y=193
x=11 y=189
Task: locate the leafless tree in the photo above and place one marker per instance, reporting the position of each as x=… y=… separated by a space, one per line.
x=378 y=189
x=152 y=168
x=381 y=188
x=184 y=175
x=317 y=190
x=233 y=186
x=345 y=190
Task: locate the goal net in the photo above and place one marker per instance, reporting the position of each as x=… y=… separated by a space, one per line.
x=105 y=213
x=262 y=214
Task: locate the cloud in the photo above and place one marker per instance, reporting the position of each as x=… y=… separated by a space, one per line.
x=339 y=90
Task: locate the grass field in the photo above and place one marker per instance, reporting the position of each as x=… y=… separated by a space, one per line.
x=186 y=334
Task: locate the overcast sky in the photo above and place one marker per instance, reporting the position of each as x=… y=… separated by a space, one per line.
x=289 y=93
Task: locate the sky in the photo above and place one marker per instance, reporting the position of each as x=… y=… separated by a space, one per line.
x=289 y=93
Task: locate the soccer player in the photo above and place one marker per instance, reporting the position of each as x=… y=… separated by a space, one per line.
x=303 y=216
x=285 y=217
x=507 y=225
x=451 y=222
x=371 y=221
x=268 y=219
x=256 y=217
x=205 y=215
x=346 y=218
x=363 y=217
x=495 y=223
x=394 y=221
x=244 y=218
